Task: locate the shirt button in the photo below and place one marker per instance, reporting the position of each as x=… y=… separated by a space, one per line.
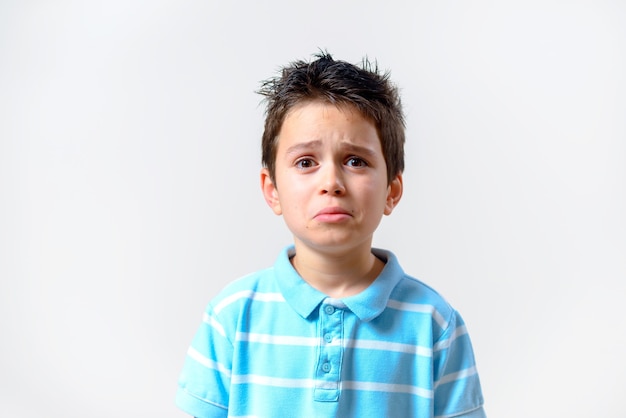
x=326 y=367
x=329 y=309
x=328 y=338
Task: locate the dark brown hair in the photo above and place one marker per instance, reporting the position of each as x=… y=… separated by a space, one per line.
x=338 y=82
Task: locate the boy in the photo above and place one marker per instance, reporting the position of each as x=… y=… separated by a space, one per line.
x=335 y=328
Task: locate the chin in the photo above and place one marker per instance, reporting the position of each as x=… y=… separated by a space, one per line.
x=334 y=245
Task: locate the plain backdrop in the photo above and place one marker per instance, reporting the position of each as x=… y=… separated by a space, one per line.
x=129 y=188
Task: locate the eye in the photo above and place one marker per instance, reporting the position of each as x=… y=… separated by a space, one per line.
x=356 y=162
x=305 y=163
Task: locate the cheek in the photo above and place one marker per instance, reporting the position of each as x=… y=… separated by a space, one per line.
x=292 y=203
x=375 y=190
x=295 y=194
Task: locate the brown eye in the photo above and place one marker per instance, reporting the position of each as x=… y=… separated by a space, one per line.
x=305 y=163
x=356 y=162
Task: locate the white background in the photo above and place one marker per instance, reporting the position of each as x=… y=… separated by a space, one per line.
x=129 y=159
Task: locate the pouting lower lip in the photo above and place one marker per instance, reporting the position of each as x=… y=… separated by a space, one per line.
x=333 y=211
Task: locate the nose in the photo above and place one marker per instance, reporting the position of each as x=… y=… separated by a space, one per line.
x=332 y=181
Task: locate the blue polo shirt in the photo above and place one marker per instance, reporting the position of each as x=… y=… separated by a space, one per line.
x=270 y=345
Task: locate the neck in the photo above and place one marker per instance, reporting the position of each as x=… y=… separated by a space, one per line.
x=337 y=274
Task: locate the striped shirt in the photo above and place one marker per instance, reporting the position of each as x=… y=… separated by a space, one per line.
x=270 y=345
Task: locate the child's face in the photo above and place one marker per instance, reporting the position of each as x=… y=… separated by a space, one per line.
x=331 y=181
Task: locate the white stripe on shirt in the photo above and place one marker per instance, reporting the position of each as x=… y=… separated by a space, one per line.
x=248 y=294
x=418 y=307
x=461 y=374
x=272 y=381
x=390 y=346
x=314 y=341
x=387 y=387
x=209 y=320
x=443 y=344
x=277 y=339
x=207 y=362
x=312 y=383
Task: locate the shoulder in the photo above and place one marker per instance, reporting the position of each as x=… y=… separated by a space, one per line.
x=257 y=285
x=408 y=290
x=260 y=281
x=412 y=290
x=412 y=297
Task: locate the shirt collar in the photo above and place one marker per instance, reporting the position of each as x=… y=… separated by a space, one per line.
x=367 y=305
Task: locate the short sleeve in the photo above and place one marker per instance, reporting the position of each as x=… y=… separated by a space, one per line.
x=203 y=387
x=456 y=382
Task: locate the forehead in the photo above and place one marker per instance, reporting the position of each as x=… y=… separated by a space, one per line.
x=315 y=121
x=316 y=106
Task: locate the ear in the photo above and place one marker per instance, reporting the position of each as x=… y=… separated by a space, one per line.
x=270 y=192
x=394 y=193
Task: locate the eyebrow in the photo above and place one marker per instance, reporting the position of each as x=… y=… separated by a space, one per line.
x=303 y=146
x=358 y=149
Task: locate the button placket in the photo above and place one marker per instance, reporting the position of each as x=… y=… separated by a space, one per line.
x=328 y=368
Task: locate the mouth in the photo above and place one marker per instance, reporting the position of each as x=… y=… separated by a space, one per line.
x=332 y=214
